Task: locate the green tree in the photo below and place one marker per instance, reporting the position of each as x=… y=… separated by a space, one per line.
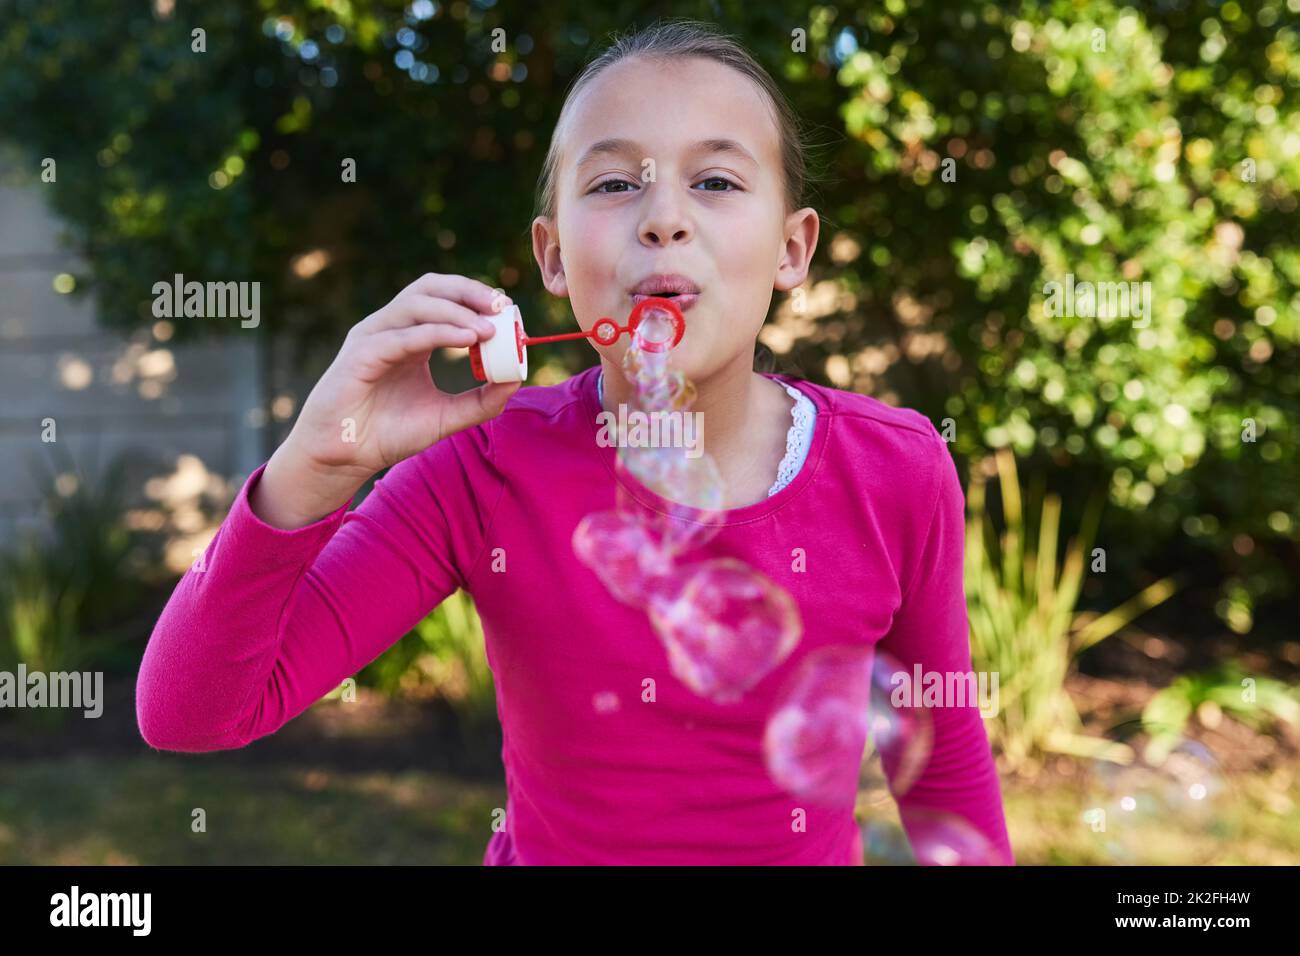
x=971 y=154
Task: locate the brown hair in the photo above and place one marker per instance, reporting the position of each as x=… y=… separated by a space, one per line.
x=680 y=38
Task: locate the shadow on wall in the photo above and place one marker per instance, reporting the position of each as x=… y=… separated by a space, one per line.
x=81 y=584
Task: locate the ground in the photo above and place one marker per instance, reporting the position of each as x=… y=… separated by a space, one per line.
x=382 y=781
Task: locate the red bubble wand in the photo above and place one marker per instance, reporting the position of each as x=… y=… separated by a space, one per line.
x=505 y=367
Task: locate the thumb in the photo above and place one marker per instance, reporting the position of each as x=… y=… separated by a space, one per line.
x=476 y=405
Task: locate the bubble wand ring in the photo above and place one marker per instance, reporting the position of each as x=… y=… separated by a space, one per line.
x=496 y=361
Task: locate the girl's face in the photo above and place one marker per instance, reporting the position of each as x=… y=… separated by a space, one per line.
x=674 y=167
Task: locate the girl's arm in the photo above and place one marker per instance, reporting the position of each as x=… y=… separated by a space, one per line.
x=270 y=620
x=294 y=594
x=931 y=629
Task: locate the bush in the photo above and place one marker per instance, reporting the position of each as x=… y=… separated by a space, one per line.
x=1021 y=599
x=65 y=589
x=444 y=656
x=974 y=153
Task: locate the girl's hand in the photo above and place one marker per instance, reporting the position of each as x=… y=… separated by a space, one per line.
x=377 y=403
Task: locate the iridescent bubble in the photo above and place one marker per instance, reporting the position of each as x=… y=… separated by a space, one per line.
x=655 y=329
x=687 y=512
x=928 y=837
x=940 y=838
x=623 y=554
x=815 y=736
x=1167 y=806
x=885 y=844
x=844 y=716
x=902 y=730
x=1193 y=777
x=725 y=625
x=646 y=364
x=675 y=474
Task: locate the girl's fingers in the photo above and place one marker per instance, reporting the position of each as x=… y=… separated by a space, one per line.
x=412 y=309
x=477 y=296
x=379 y=352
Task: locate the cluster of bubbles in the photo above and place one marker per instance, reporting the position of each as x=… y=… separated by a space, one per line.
x=1168 y=802
x=842 y=728
x=724 y=625
x=836 y=729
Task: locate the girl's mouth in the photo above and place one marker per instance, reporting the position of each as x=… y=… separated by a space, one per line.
x=683 y=300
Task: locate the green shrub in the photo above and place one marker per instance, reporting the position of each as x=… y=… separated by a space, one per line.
x=969 y=153
x=1255 y=701
x=444 y=656
x=65 y=588
x=1024 y=627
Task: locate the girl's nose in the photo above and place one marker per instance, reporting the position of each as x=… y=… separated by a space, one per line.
x=652 y=236
x=665 y=218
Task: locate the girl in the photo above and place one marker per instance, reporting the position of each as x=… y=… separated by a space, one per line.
x=485 y=488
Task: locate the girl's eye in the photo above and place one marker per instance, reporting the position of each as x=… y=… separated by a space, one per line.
x=719 y=179
x=725 y=183
x=600 y=187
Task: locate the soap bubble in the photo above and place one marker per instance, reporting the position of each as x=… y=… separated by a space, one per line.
x=653 y=332
x=885 y=844
x=902 y=730
x=686 y=513
x=817 y=732
x=932 y=837
x=622 y=553
x=725 y=625
x=1166 y=806
x=673 y=473
x=646 y=364
x=939 y=838
x=842 y=718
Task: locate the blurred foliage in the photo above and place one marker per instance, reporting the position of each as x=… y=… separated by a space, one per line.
x=1155 y=142
x=1021 y=602
x=66 y=592
x=1256 y=701
x=444 y=655
x=1110 y=143
x=38 y=625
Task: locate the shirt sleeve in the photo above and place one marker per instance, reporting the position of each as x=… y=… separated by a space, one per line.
x=269 y=620
x=931 y=630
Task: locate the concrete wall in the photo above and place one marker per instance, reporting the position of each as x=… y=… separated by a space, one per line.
x=196 y=418
x=106 y=393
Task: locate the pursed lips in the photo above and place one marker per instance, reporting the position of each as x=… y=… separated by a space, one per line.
x=683 y=300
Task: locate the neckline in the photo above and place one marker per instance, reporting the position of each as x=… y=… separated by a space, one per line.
x=794 y=434
x=608 y=455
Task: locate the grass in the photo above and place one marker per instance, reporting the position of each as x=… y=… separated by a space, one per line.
x=383 y=781
x=1254 y=829
x=138 y=810
x=84 y=810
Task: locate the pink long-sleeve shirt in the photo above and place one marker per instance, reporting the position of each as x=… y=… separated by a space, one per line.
x=276 y=619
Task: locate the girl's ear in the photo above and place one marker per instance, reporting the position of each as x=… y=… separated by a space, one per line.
x=801 y=230
x=546 y=250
